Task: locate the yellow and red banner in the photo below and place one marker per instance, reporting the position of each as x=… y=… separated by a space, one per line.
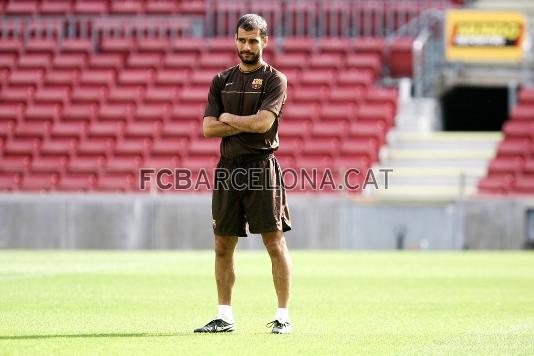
x=484 y=36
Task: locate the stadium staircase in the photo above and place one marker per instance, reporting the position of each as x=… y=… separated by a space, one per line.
x=429 y=164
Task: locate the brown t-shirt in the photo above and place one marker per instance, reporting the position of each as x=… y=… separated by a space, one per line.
x=246 y=93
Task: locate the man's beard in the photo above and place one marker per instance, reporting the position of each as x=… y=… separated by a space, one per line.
x=254 y=59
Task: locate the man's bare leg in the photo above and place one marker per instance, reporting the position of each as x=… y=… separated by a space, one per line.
x=275 y=244
x=225 y=267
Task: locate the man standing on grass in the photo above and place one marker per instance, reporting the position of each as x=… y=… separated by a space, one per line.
x=244 y=107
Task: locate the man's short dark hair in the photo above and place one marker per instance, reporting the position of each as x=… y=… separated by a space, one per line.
x=249 y=22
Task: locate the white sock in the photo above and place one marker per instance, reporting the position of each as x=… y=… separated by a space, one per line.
x=282 y=315
x=225 y=313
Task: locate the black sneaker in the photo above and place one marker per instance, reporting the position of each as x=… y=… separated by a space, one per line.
x=216 y=326
x=279 y=327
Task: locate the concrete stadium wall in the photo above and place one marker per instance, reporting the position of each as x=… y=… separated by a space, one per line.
x=319 y=222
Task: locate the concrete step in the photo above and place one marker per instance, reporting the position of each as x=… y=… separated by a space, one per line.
x=419 y=192
x=444 y=140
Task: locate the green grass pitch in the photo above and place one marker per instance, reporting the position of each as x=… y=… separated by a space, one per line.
x=344 y=303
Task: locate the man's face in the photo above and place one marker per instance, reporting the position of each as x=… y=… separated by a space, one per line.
x=249 y=45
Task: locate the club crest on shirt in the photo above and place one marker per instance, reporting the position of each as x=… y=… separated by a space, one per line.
x=256 y=83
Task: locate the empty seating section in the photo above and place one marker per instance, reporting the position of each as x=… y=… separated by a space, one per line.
x=86 y=115
x=512 y=170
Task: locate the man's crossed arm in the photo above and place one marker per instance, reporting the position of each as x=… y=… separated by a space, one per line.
x=229 y=124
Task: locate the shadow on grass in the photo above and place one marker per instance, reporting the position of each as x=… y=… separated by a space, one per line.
x=28 y=337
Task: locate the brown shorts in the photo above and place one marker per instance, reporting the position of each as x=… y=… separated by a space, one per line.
x=249 y=190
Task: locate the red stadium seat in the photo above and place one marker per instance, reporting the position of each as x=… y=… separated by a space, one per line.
x=124 y=95
x=10 y=112
x=143 y=60
x=50 y=95
x=76 y=45
x=48 y=165
x=302 y=45
x=14 y=165
x=130 y=7
x=69 y=61
x=117 y=45
x=87 y=95
x=7 y=61
x=346 y=95
x=85 y=165
x=101 y=77
x=106 y=61
x=15 y=96
x=171 y=77
x=46 y=46
x=222 y=46
x=177 y=129
x=95 y=148
x=90 y=7
x=180 y=60
x=383 y=96
x=340 y=46
x=42 y=112
x=63 y=78
x=188 y=45
x=375 y=113
x=518 y=129
x=67 y=130
x=160 y=95
x=285 y=62
x=526 y=96
x=57 y=148
x=9 y=182
x=110 y=130
x=194 y=95
x=151 y=113
x=364 y=131
x=309 y=94
x=495 y=185
x=145 y=130
x=355 y=78
x=336 y=113
x=365 y=62
x=370 y=45
x=400 y=58
x=79 y=112
x=10 y=45
x=317 y=77
x=76 y=183
x=359 y=149
x=39 y=182
x=169 y=148
x=328 y=130
x=131 y=148
x=163 y=7
x=293 y=129
x=523 y=185
x=513 y=148
x=31 y=130
x=123 y=164
x=299 y=113
x=135 y=77
x=114 y=113
x=523 y=112
x=34 y=61
x=505 y=167
x=26 y=78
x=51 y=7
x=220 y=62
x=29 y=7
